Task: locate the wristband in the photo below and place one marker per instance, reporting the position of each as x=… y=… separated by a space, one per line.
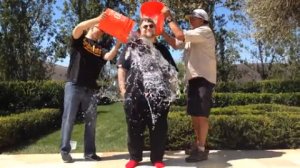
x=169 y=19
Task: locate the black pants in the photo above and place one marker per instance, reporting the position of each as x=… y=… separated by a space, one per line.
x=138 y=116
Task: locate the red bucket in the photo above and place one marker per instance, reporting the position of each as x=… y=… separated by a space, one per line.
x=116 y=25
x=153 y=10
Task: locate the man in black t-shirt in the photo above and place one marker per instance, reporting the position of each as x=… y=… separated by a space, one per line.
x=148 y=82
x=86 y=62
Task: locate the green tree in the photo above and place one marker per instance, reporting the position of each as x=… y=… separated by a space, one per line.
x=275 y=20
x=276 y=32
x=227 y=52
x=24 y=27
x=267 y=57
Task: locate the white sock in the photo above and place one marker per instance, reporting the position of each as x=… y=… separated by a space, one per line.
x=201 y=148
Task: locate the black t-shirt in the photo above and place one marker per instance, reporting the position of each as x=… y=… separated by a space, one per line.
x=159 y=46
x=150 y=69
x=166 y=54
x=86 y=62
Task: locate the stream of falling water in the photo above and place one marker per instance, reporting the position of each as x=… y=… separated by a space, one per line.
x=158 y=76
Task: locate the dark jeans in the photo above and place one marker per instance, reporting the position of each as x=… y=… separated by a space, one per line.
x=138 y=116
x=79 y=98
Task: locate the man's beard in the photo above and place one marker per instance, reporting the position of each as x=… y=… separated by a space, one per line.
x=149 y=34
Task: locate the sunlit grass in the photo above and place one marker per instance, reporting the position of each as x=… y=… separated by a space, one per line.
x=110 y=134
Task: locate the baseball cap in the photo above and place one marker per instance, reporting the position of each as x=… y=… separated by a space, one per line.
x=199 y=13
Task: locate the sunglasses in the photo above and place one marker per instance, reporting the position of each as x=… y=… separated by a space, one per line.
x=150 y=26
x=193 y=18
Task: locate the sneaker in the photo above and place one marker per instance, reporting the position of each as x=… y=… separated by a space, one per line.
x=93 y=157
x=159 y=164
x=197 y=156
x=131 y=164
x=191 y=148
x=188 y=151
x=66 y=157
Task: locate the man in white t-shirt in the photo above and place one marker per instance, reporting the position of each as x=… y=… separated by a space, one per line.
x=201 y=73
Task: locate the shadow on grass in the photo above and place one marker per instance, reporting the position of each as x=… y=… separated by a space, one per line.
x=25 y=143
x=102 y=111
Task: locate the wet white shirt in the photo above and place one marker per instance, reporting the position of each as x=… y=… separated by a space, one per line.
x=199 y=53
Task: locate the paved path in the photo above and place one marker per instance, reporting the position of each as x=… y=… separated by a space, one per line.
x=217 y=159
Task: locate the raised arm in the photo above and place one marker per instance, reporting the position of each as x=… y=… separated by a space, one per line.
x=170 y=40
x=85 y=25
x=175 y=44
x=172 y=24
x=122 y=80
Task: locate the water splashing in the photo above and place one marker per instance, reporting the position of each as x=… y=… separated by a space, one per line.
x=153 y=76
x=92 y=109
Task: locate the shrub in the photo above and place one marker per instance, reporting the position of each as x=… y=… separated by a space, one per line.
x=19 y=96
x=270 y=131
x=246 y=109
x=266 y=86
x=277 y=86
x=228 y=99
x=20 y=127
x=181 y=100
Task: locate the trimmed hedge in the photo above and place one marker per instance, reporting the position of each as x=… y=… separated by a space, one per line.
x=17 y=128
x=19 y=96
x=271 y=131
x=257 y=126
x=228 y=99
x=225 y=99
x=266 y=86
x=246 y=109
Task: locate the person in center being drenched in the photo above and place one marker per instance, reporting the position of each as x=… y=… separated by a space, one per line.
x=147 y=78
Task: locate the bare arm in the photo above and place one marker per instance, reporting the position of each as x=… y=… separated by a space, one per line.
x=170 y=40
x=177 y=31
x=82 y=26
x=113 y=52
x=122 y=80
x=173 y=25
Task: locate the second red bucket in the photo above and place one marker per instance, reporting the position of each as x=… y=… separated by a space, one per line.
x=153 y=10
x=116 y=25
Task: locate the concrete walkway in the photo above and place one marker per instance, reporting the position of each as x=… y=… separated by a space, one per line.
x=217 y=159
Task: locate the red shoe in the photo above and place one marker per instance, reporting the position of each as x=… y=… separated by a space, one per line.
x=159 y=164
x=131 y=164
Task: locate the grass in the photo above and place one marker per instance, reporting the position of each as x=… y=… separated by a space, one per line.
x=111 y=134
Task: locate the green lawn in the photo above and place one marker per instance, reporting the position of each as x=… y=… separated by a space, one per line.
x=110 y=134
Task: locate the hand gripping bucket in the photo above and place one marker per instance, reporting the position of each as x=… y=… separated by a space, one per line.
x=116 y=25
x=153 y=10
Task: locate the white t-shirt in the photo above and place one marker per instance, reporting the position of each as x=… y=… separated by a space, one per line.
x=199 y=53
